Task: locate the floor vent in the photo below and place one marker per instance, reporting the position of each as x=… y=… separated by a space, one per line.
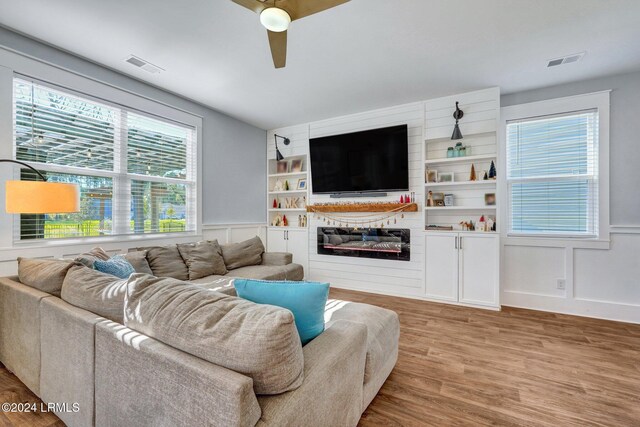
x=575 y=57
x=145 y=65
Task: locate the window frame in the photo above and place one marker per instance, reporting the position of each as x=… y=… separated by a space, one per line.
x=597 y=100
x=21 y=67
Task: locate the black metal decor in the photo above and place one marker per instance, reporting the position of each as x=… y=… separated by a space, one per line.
x=458 y=114
x=285 y=140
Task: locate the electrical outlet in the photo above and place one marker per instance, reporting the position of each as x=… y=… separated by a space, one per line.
x=561 y=284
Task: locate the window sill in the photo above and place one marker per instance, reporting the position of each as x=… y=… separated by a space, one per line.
x=558 y=242
x=103 y=240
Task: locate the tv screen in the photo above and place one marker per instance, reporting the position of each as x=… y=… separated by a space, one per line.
x=370 y=161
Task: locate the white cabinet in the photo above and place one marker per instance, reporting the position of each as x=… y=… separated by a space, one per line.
x=295 y=241
x=463 y=268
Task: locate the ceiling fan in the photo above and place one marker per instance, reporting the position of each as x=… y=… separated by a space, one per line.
x=276 y=15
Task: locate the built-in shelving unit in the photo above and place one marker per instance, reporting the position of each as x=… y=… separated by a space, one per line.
x=290 y=173
x=468 y=200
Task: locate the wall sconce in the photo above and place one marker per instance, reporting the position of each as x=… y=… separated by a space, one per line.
x=458 y=114
x=286 y=141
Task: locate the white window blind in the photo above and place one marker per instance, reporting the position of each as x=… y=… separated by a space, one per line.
x=136 y=173
x=552 y=175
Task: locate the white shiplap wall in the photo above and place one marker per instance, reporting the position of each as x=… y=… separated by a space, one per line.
x=383 y=276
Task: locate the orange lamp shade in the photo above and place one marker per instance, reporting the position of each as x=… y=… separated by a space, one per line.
x=40 y=197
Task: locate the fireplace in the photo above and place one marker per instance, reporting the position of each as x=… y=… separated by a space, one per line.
x=380 y=243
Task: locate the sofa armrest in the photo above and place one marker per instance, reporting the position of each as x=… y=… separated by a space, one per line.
x=277 y=258
x=331 y=393
x=143 y=382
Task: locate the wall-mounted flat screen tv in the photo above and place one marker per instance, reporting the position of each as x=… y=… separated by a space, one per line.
x=375 y=160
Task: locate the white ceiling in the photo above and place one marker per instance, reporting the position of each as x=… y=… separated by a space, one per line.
x=362 y=55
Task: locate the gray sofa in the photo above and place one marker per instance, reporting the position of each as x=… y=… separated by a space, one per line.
x=119 y=376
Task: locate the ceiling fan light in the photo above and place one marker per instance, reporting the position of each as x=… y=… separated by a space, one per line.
x=275 y=19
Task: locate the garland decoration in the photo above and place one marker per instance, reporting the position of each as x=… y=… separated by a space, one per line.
x=357 y=218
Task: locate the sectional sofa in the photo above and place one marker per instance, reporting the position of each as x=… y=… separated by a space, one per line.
x=77 y=336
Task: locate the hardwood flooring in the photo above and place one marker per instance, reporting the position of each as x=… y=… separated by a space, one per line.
x=468 y=367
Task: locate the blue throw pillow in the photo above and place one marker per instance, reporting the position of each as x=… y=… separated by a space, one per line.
x=117 y=266
x=306 y=300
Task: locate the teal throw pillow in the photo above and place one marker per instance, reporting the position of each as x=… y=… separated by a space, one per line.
x=117 y=266
x=306 y=300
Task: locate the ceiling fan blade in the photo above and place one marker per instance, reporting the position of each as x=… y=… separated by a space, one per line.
x=278 y=43
x=253 y=5
x=300 y=8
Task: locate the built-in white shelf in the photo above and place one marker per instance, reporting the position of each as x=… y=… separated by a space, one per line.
x=289 y=192
x=284 y=175
x=461 y=232
x=490 y=182
x=464 y=159
x=459 y=208
x=288 y=210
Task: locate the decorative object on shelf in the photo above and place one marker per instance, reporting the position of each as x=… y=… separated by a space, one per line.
x=276 y=221
x=446 y=177
x=402 y=198
x=413 y=197
x=40 y=197
x=448 y=199
x=278 y=186
x=458 y=114
x=439 y=228
x=296 y=165
x=302 y=184
x=302 y=221
x=286 y=185
x=485 y=177
x=286 y=141
x=492 y=171
x=467 y=226
x=472 y=174
x=490 y=199
x=438 y=199
x=450 y=152
x=430 y=199
x=282 y=166
x=290 y=202
x=431 y=175
x=459 y=150
x=285 y=222
x=275 y=203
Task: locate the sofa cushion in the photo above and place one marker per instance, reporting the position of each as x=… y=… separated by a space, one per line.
x=242 y=254
x=306 y=300
x=216 y=283
x=46 y=275
x=88 y=258
x=260 y=341
x=166 y=261
x=269 y=272
x=117 y=266
x=203 y=259
x=100 y=293
x=383 y=331
x=138 y=259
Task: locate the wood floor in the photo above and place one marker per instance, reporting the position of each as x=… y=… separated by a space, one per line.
x=462 y=366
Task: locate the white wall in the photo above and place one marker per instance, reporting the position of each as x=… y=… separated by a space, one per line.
x=601 y=282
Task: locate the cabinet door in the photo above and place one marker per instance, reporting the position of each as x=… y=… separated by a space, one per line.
x=479 y=271
x=276 y=240
x=441 y=266
x=298 y=245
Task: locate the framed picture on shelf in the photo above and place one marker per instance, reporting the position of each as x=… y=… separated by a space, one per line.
x=282 y=166
x=438 y=199
x=446 y=176
x=490 y=199
x=302 y=184
x=296 y=165
x=431 y=175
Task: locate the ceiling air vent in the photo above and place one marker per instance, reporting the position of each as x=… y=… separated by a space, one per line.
x=574 y=57
x=145 y=65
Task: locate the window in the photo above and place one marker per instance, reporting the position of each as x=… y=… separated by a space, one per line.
x=136 y=173
x=552 y=174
